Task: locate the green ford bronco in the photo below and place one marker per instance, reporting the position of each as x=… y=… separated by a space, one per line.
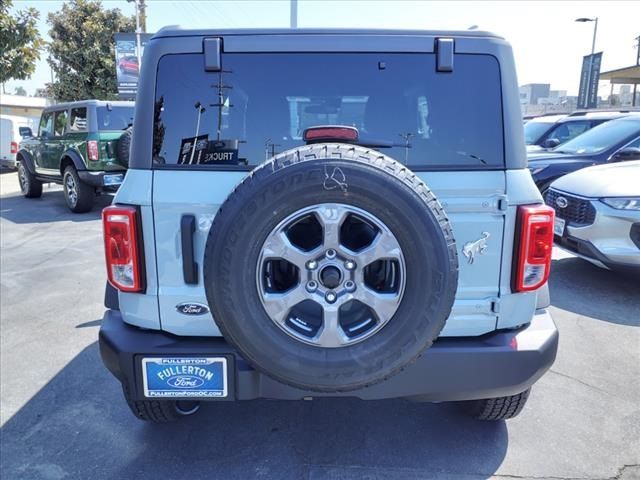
x=82 y=145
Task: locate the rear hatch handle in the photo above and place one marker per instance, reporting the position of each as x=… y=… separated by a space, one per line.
x=189 y=265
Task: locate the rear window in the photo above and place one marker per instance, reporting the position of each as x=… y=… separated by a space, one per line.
x=114 y=118
x=261 y=104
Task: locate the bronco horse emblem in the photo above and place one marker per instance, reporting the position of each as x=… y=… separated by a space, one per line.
x=479 y=246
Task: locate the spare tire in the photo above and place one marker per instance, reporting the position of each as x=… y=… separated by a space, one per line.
x=330 y=267
x=124 y=146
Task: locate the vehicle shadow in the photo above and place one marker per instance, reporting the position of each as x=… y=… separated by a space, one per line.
x=580 y=287
x=51 y=207
x=78 y=426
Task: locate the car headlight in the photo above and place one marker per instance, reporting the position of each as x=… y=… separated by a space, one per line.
x=622 y=203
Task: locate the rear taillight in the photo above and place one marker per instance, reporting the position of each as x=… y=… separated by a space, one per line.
x=534 y=247
x=14 y=147
x=122 y=249
x=92 y=150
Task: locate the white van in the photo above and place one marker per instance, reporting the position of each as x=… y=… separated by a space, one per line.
x=10 y=137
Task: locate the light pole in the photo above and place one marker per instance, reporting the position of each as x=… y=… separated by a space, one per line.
x=593 y=48
x=138 y=48
x=635 y=85
x=198 y=106
x=293 y=14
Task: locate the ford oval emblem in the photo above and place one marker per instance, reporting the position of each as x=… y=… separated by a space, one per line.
x=185 y=381
x=192 y=308
x=562 y=202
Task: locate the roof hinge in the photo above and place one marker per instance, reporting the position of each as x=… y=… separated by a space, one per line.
x=444 y=54
x=212 y=57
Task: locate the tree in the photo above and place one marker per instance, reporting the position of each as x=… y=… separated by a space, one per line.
x=82 y=50
x=20 y=91
x=20 y=42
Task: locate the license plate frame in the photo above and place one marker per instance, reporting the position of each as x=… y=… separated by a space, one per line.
x=559 y=226
x=109 y=180
x=204 y=377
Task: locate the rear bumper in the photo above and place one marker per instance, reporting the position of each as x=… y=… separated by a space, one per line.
x=8 y=162
x=97 y=179
x=492 y=365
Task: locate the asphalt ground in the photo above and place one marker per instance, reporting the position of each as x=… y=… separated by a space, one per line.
x=63 y=415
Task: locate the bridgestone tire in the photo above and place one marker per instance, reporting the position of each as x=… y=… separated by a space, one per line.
x=501 y=408
x=30 y=187
x=301 y=178
x=123 y=147
x=159 y=411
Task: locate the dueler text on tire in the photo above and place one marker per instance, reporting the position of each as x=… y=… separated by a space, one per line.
x=331 y=267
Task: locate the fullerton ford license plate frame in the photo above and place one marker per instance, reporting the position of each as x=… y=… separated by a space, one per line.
x=204 y=377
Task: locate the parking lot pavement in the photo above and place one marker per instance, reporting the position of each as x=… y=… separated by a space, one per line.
x=63 y=415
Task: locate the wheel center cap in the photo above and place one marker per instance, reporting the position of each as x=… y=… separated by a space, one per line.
x=330 y=276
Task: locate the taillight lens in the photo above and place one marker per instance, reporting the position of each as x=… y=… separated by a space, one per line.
x=534 y=248
x=121 y=247
x=14 y=147
x=92 y=150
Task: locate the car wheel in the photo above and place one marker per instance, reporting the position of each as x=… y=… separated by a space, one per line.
x=501 y=408
x=79 y=195
x=313 y=272
x=30 y=187
x=160 y=411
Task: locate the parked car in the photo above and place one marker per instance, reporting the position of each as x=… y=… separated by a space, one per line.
x=10 y=138
x=129 y=65
x=352 y=261
x=82 y=145
x=614 y=141
x=598 y=214
x=548 y=132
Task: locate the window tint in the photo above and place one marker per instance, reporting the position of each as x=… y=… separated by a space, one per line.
x=114 y=118
x=60 y=123
x=634 y=144
x=533 y=131
x=568 y=130
x=78 y=121
x=238 y=117
x=46 y=125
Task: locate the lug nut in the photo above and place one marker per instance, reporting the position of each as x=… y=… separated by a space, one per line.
x=331 y=297
x=349 y=264
x=331 y=253
x=312 y=286
x=349 y=285
x=312 y=265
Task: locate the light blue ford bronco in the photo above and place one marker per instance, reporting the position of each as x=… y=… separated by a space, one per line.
x=312 y=213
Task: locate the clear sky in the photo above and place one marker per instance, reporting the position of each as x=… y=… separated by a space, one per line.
x=548 y=44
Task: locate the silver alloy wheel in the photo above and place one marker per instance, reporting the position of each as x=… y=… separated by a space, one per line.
x=71 y=189
x=331 y=293
x=22 y=178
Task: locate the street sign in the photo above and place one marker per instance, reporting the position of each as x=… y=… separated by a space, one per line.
x=589 y=78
